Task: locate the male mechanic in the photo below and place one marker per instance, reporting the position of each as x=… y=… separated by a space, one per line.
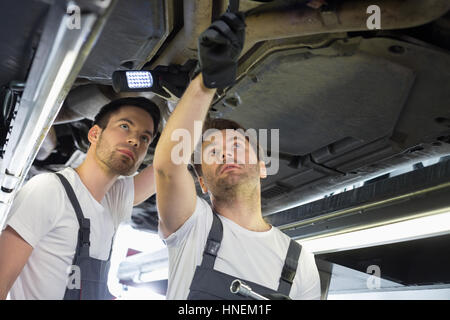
x=209 y=247
x=59 y=233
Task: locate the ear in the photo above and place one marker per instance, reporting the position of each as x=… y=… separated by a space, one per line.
x=202 y=184
x=94 y=134
x=262 y=170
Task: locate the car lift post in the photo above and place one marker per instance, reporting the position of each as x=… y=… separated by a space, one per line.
x=62 y=51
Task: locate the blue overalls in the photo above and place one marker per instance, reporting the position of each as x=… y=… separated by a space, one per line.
x=93 y=272
x=210 y=284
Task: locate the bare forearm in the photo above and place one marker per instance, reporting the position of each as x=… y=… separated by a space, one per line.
x=14 y=253
x=144 y=185
x=193 y=107
x=3 y=292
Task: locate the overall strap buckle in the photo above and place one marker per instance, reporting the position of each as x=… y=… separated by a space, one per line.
x=213 y=243
x=289 y=268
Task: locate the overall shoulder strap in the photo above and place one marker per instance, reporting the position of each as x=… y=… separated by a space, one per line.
x=213 y=243
x=85 y=224
x=289 y=268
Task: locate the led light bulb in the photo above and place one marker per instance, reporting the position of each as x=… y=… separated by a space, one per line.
x=139 y=79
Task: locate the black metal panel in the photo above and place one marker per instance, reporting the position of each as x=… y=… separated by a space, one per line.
x=322 y=96
x=354 y=106
x=428 y=177
x=418 y=262
x=132 y=31
x=21 y=25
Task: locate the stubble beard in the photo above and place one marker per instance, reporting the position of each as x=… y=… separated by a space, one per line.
x=115 y=162
x=227 y=189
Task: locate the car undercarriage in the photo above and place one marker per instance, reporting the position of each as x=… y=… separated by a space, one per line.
x=362 y=115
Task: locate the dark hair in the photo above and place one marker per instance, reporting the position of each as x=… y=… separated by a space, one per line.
x=103 y=116
x=219 y=124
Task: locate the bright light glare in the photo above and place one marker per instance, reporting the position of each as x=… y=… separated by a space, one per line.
x=139 y=79
x=140 y=294
x=128 y=237
x=159 y=274
x=412 y=293
x=432 y=225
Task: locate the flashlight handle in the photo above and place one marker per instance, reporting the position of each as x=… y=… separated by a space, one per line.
x=233 y=6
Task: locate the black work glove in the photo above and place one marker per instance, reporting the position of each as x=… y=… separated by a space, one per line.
x=219 y=48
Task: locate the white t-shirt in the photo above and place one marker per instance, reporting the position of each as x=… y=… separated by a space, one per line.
x=43 y=216
x=255 y=256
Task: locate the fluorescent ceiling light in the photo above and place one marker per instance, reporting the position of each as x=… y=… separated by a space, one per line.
x=433 y=224
x=159 y=274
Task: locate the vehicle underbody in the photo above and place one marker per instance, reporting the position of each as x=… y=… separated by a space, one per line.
x=352 y=105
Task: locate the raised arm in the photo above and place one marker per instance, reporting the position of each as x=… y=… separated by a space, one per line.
x=219 y=49
x=144 y=185
x=175 y=188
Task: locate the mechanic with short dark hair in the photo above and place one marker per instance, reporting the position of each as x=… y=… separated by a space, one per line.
x=58 y=236
x=210 y=247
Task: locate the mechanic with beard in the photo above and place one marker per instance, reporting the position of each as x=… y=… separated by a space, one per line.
x=64 y=223
x=209 y=247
